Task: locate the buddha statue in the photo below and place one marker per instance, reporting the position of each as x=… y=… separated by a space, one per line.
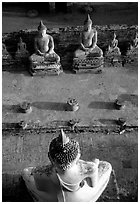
x=133 y=49
x=113 y=47
x=88 y=52
x=135 y=41
x=21 y=50
x=67 y=178
x=5 y=53
x=88 y=44
x=132 y=52
x=44 y=49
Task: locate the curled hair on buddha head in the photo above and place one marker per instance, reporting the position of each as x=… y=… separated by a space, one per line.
x=88 y=20
x=41 y=26
x=63 y=151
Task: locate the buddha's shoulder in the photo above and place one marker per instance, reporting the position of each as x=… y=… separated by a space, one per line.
x=93 y=31
x=47 y=170
x=48 y=36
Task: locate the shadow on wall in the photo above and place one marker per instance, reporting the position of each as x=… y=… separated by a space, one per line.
x=14 y=189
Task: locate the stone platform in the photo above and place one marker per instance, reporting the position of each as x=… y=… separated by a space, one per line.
x=45 y=68
x=87 y=64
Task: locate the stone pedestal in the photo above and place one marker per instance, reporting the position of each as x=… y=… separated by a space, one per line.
x=132 y=55
x=113 y=57
x=45 y=68
x=7 y=60
x=87 y=64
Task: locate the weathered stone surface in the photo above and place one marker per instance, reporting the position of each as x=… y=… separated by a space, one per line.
x=93 y=63
x=43 y=68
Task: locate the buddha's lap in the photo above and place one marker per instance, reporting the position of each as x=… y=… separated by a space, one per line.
x=96 y=52
x=40 y=58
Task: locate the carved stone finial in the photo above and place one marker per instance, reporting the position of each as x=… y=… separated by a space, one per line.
x=41 y=26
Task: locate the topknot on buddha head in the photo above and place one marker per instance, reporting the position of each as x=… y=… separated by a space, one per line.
x=88 y=20
x=63 y=150
x=41 y=26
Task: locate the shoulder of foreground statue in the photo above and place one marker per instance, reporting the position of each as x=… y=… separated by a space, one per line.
x=47 y=170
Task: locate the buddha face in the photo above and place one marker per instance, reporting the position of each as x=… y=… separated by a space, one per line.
x=42 y=33
x=87 y=26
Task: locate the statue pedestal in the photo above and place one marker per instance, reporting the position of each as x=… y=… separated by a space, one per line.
x=87 y=64
x=132 y=56
x=113 y=58
x=45 y=68
x=7 y=60
x=7 y=64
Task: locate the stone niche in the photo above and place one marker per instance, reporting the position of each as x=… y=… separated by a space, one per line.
x=66 y=40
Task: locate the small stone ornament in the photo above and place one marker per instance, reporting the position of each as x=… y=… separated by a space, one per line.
x=72 y=123
x=122 y=123
x=119 y=105
x=72 y=104
x=25 y=107
x=22 y=124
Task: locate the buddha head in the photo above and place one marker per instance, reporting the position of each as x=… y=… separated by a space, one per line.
x=63 y=151
x=135 y=41
x=42 y=29
x=87 y=23
x=114 y=36
x=114 y=41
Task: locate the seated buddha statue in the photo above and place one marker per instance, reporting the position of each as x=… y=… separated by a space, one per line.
x=5 y=53
x=133 y=50
x=21 y=50
x=135 y=41
x=88 y=55
x=88 y=42
x=113 y=47
x=44 y=48
x=67 y=178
